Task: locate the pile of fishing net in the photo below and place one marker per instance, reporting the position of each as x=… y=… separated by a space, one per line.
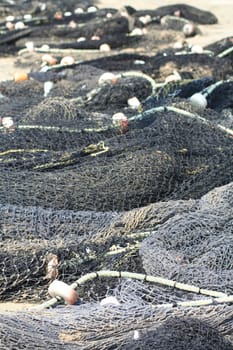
x=128 y=174
x=135 y=324
x=82 y=25
x=187 y=240
x=135 y=315
x=188 y=244
x=92 y=195
x=61 y=154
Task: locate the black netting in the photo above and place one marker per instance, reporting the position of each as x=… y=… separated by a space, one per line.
x=186 y=11
x=193 y=247
x=136 y=323
x=177 y=156
x=127 y=172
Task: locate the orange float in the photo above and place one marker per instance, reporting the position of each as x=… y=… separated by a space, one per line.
x=20 y=76
x=49 y=59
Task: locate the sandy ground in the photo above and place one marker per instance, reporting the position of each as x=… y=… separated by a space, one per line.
x=11 y=306
x=223 y=9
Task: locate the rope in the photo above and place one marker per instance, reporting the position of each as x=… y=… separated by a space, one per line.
x=59 y=51
x=137 y=74
x=219 y=297
x=140 y=116
x=207 y=91
x=225 y=52
x=148 y=113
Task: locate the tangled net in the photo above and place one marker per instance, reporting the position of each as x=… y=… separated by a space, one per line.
x=120 y=175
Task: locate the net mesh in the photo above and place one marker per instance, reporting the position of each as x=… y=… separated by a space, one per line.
x=136 y=323
x=86 y=189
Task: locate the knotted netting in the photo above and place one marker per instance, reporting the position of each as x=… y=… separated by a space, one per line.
x=195 y=248
x=89 y=197
x=124 y=184
x=138 y=321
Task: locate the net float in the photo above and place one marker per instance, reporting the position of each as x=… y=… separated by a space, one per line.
x=105 y=48
x=111 y=300
x=136 y=31
x=27 y=16
x=189 y=29
x=20 y=76
x=67 y=14
x=82 y=38
x=30 y=46
x=45 y=47
x=120 y=120
x=107 y=78
x=198 y=101
x=67 y=60
x=10 y=18
x=47 y=58
x=10 y=25
x=145 y=19
x=197 y=49
x=91 y=9
x=48 y=85
x=177 y=13
x=52 y=267
x=58 y=15
x=78 y=10
x=95 y=37
x=7 y=122
x=134 y=102
x=19 y=25
x=117 y=118
x=72 y=24
x=61 y=289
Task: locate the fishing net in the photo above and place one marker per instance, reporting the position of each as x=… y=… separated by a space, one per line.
x=182 y=10
x=164 y=158
x=123 y=175
x=138 y=321
x=202 y=252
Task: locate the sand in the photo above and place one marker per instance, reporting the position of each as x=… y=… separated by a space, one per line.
x=11 y=306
